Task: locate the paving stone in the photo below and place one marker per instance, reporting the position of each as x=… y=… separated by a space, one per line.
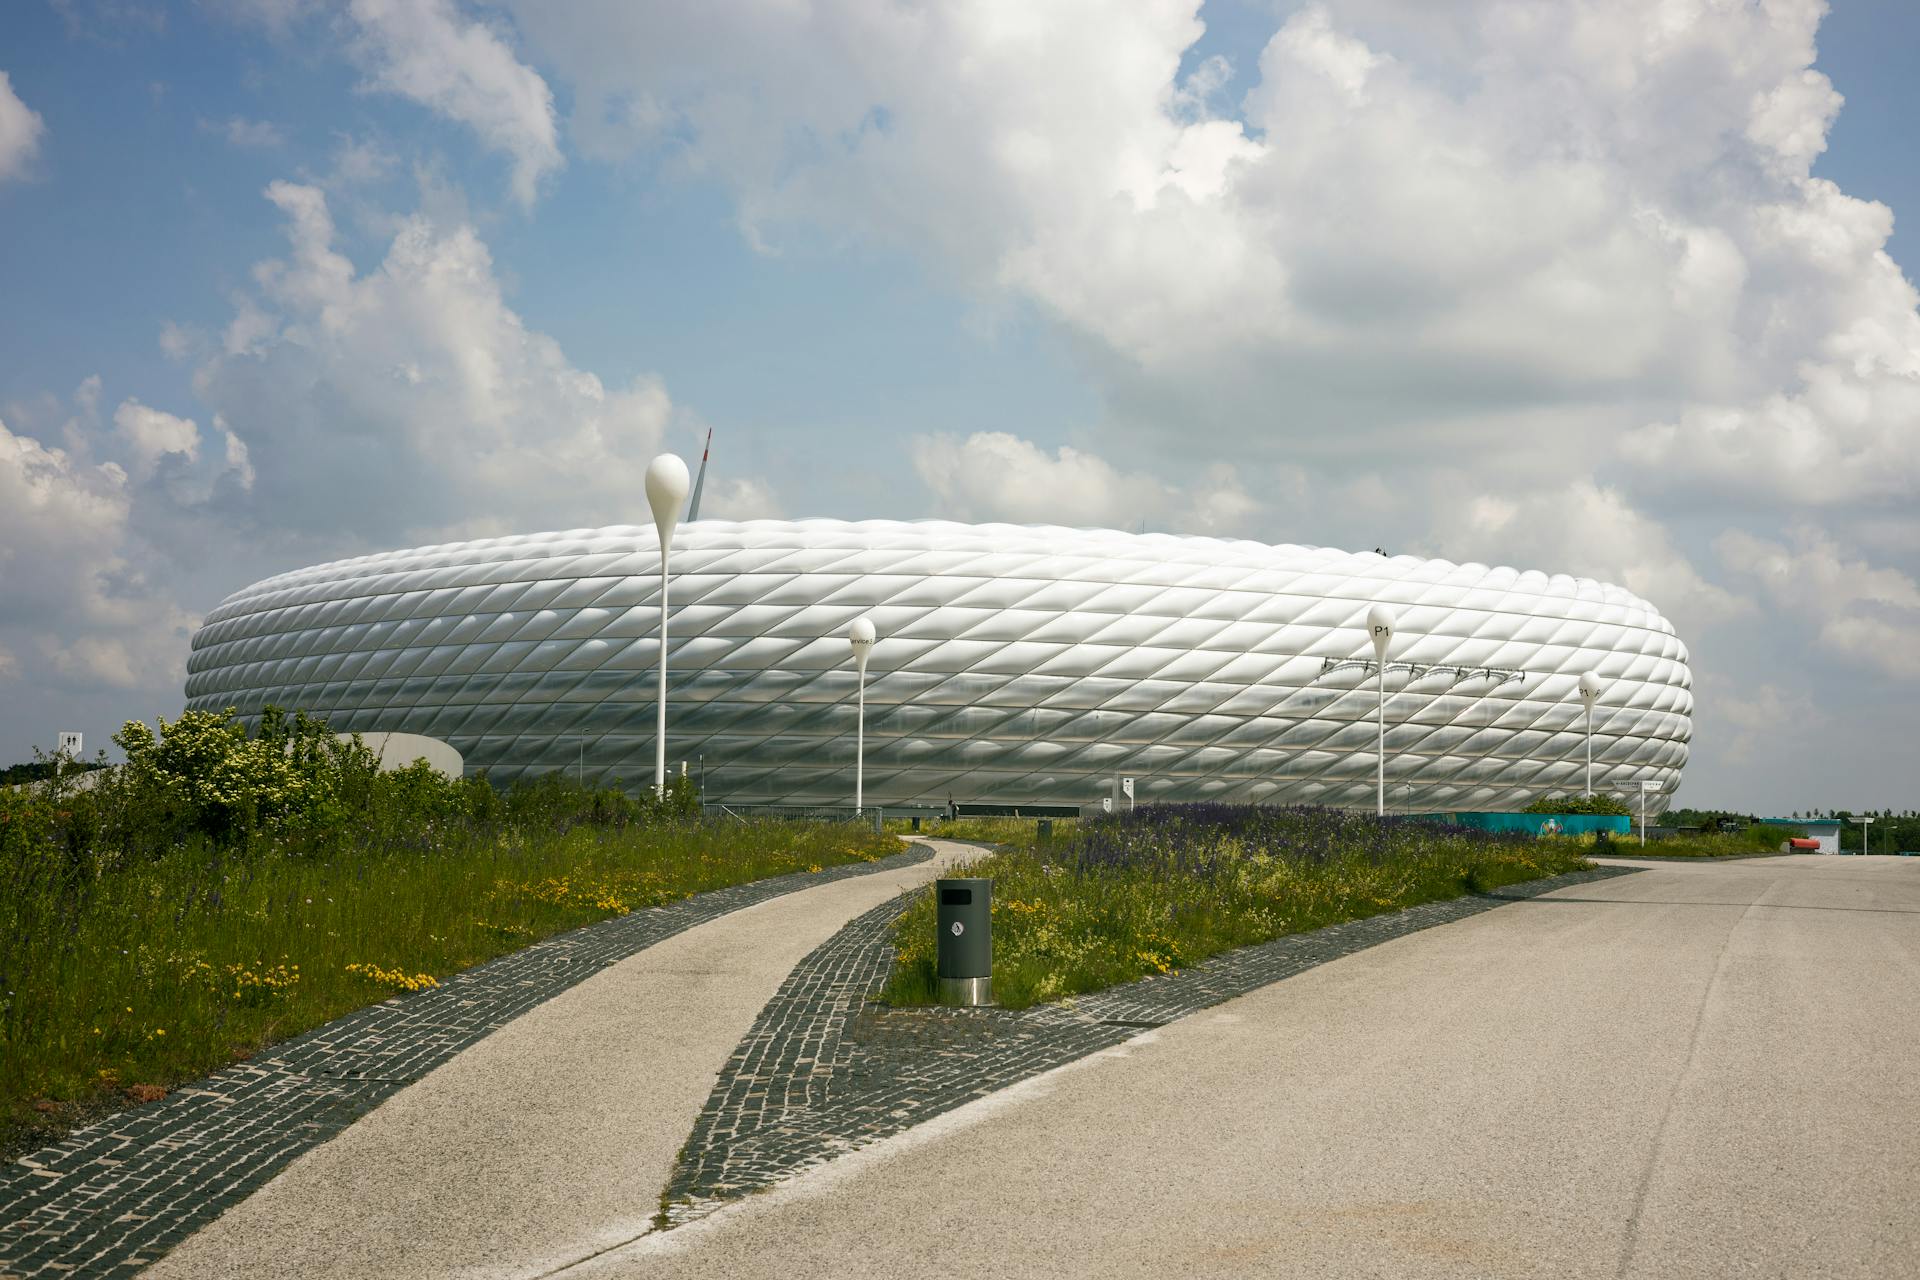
x=825 y=1071
x=111 y=1198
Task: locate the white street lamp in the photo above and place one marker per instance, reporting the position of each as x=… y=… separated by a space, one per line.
x=861 y=637
x=666 y=491
x=1590 y=687
x=1380 y=628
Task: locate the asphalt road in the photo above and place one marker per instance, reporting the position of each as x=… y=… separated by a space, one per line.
x=1696 y=1071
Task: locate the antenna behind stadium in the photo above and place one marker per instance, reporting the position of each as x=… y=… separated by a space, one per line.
x=700 y=482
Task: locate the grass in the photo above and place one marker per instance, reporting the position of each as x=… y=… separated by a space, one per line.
x=121 y=983
x=1114 y=899
x=1754 y=841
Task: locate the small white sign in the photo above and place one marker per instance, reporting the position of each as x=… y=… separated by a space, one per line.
x=1649 y=786
x=70 y=745
x=958 y=928
x=1106 y=804
x=1126 y=787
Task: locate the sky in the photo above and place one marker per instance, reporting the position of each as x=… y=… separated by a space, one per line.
x=1614 y=288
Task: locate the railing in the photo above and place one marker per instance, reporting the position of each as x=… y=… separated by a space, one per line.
x=1419 y=670
x=792 y=812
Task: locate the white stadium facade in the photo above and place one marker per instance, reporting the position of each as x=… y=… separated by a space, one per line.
x=1016 y=665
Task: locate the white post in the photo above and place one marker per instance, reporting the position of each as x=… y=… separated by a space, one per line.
x=1589 y=693
x=1380 y=629
x=861 y=636
x=666 y=491
x=1864 y=828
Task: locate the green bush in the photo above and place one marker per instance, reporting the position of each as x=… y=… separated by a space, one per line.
x=1745 y=843
x=1579 y=804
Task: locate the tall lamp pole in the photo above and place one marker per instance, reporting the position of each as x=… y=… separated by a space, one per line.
x=666 y=491
x=1589 y=693
x=861 y=637
x=1380 y=629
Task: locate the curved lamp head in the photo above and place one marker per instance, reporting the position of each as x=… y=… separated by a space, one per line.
x=1380 y=629
x=861 y=636
x=667 y=485
x=1590 y=687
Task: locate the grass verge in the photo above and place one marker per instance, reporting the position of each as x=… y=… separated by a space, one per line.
x=1165 y=886
x=123 y=983
x=1755 y=841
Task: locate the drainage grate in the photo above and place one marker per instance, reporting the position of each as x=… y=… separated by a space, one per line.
x=1122 y=1022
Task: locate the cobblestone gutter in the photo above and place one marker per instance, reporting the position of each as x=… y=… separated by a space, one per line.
x=116 y=1195
x=824 y=1072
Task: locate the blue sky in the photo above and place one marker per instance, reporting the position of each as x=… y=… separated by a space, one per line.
x=1478 y=284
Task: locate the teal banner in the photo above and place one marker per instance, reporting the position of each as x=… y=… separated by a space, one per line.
x=1539 y=824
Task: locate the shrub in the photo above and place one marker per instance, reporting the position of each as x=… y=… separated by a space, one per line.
x=1119 y=897
x=1579 y=804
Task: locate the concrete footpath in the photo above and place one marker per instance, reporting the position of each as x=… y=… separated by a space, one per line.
x=1693 y=1071
x=552 y=1138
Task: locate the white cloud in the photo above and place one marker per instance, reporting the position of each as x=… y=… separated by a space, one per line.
x=153 y=434
x=992 y=475
x=359 y=161
x=741 y=498
x=177 y=341
x=410 y=401
x=465 y=71
x=1763 y=718
x=1417 y=215
x=1588 y=531
x=77 y=598
x=164 y=445
x=1866 y=614
x=248 y=135
x=20 y=131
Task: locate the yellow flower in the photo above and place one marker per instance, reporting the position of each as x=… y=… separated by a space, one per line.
x=159 y=1031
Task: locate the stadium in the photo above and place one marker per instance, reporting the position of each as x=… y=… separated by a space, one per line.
x=1016 y=665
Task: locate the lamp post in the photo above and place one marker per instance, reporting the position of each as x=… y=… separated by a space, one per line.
x=666 y=491
x=1380 y=628
x=1589 y=693
x=860 y=636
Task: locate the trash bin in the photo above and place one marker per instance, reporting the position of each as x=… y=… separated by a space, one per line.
x=964 y=910
x=1045 y=830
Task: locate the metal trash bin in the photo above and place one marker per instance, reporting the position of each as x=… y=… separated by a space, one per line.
x=1045 y=830
x=964 y=909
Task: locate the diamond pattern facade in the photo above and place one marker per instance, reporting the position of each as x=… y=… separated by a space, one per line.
x=1015 y=664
